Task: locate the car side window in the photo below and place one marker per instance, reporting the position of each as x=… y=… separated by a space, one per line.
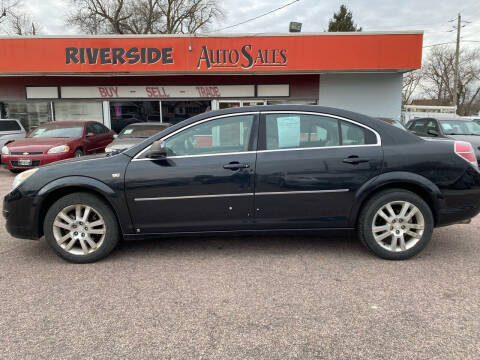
x=224 y=135
x=431 y=125
x=356 y=135
x=97 y=129
x=418 y=126
x=284 y=131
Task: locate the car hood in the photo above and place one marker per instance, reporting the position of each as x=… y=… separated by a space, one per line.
x=120 y=144
x=40 y=144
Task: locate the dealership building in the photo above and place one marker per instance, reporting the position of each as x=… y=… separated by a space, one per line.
x=119 y=80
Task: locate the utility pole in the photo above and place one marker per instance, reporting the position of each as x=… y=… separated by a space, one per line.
x=457 y=52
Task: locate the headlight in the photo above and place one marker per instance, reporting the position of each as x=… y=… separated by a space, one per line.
x=59 y=149
x=20 y=178
x=5 y=150
x=108 y=149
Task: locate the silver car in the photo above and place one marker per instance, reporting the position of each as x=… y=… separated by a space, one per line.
x=134 y=134
x=10 y=129
x=443 y=128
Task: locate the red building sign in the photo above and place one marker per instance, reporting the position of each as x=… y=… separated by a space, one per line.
x=191 y=54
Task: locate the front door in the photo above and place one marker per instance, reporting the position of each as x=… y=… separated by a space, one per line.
x=97 y=137
x=309 y=168
x=204 y=184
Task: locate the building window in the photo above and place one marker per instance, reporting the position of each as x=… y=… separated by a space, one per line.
x=78 y=110
x=175 y=111
x=124 y=113
x=31 y=113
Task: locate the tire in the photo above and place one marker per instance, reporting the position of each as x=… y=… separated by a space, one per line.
x=90 y=240
x=78 y=153
x=380 y=235
x=16 y=171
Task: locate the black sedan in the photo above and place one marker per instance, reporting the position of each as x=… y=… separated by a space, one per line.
x=253 y=170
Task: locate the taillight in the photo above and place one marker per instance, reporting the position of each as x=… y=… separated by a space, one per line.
x=465 y=150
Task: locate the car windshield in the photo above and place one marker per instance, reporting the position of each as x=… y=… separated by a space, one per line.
x=141 y=131
x=57 y=131
x=460 y=127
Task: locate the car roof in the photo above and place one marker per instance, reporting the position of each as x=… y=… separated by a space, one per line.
x=151 y=123
x=443 y=119
x=69 y=122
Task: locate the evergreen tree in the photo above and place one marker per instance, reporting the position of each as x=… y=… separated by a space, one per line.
x=342 y=21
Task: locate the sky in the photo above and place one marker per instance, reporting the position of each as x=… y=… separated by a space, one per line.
x=431 y=16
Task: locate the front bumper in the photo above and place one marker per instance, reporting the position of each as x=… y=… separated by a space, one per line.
x=21 y=216
x=12 y=161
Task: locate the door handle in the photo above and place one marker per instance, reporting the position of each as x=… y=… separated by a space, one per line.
x=234 y=165
x=354 y=159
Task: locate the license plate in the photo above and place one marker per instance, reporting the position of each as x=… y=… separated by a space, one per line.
x=24 y=162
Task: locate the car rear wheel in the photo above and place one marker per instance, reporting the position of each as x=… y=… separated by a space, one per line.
x=396 y=224
x=81 y=228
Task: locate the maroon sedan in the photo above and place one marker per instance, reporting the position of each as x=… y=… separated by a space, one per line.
x=56 y=141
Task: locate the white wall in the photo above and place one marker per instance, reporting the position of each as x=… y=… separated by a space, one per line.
x=374 y=94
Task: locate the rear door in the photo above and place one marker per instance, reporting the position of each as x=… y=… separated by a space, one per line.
x=309 y=167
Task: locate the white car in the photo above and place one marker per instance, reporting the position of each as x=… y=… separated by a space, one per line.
x=10 y=129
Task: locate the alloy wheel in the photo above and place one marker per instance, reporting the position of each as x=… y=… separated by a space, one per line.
x=79 y=229
x=398 y=226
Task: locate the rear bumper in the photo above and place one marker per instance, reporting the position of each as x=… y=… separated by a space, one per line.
x=11 y=161
x=459 y=205
x=461 y=200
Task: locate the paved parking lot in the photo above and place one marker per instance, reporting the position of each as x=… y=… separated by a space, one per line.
x=244 y=298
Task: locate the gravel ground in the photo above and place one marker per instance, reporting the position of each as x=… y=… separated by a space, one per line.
x=242 y=298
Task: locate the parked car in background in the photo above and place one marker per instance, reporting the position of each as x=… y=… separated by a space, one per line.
x=454 y=129
x=342 y=172
x=134 y=134
x=10 y=130
x=56 y=141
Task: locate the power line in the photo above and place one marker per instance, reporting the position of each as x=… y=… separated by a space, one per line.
x=451 y=42
x=257 y=17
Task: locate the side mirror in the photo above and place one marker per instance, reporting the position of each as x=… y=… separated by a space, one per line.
x=158 y=150
x=90 y=134
x=433 y=132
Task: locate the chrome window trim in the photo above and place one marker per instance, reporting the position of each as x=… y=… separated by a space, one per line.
x=242 y=194
x=135 y=158
x=377 y=135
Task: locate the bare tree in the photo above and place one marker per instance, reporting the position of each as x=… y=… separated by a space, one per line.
x=143 y=16
x=6 y=7
x=438 y=73
x=22 y=24
x=411 y=80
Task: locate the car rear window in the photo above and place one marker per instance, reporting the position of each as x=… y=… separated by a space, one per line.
x=9 y=125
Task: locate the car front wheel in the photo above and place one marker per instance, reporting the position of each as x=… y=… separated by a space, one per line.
x=81 y=228
x=396 y=224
